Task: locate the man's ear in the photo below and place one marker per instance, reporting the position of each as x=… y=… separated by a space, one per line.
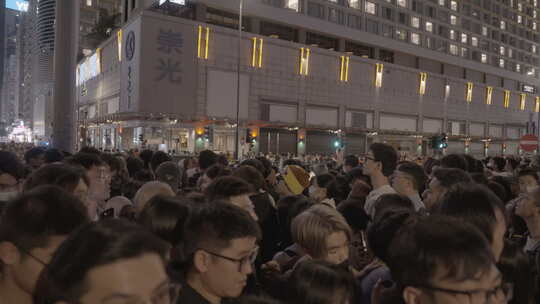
x=9 y=254
x=411 y=295
x=201 y=261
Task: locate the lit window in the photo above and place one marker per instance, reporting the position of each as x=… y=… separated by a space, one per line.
x=415 y=38
x=371 y=8
x=510 y=53
x=501 y=50
x=402 y=3
x=519 y=19
x=518 y=67
x=520 y=7
x=463 y=38
x=453 y=49
x=354 y=3
x=503 y=25
x=484 y=30
x=452 y=34
x=88 y=2
x=483 y=58
x=534 y=25
x=292 y=4
x=453 y=20
x=415 y=22
x=401 y=34
x=501 y=63
x=474 y=41
x=429 y=27
x=530 y=72
x=453 y=5
x=533 y=48
x=441 y=2
x=534 y=14
x=464 y=52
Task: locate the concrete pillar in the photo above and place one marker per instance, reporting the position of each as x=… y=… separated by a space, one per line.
x=65 y=64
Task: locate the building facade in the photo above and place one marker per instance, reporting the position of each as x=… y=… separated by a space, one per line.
x=316 y=75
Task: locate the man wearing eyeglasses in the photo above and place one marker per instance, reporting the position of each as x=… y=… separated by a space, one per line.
x=442 y=260
x=380 y=163
x=31 y=229
x=221 y=249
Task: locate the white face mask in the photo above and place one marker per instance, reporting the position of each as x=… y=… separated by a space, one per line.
x=7 y=196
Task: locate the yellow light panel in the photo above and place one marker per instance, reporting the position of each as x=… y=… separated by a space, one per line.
x=344 y=70
x=423 y=80
x=506 y=98
x=304 y=61
x=199 y=42
x=537 y=107
x=260 y=52
x=379 y=75
x=489 y=94
x=98 y=61
x=207 y=42
x=119 y=37
x=522 y=101
x=254 y=52
x=468 y=96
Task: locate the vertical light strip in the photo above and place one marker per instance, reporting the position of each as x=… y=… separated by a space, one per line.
x=522 y=101
x=304 y=61
x=254 y=52
x=119 y=37
x=199 y=42
x=260 y=52
x=98 y=60
x=379 y=75
x=537 y=107
x=207 y=42
x=301 y=61
x=423 y=79
x=506 y=98
x=347 y=59
x=342 y=69
x=308 y=51
x=489 y=94
x=470 y=87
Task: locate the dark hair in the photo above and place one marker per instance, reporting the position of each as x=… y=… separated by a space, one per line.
x=455 y=161
x=448 y=177
x=255 y=163
x=90 y=150
x=214 y=225
x=288 y=208
x=96 y=244
x=506 y=182
x=158 y=158
x=225 y=187
x=206 y=159
x=324 y=180
x=146 y=156
x=267 y=165
x=472 y=164
x=515 y=267
x=134 y=165
x=53 y=155
x=62 y=175
x=391 y=202
x=87 y=160
x=317 y=282
x=473 y=203
x=427 y=245
x=251 y=176
x=112 y=161
x=354 y=213
x=258 y=300
x=165 y=217
x=499 y=190
x=35 y=216
x=479 y=178
x=529 y=172
x=33 y=153
x=429 y=164
x=351 y=161
x=338 y=189
x=356 y=173
x=10 y=164
x=416 y=172
x=499 y=163
x=385 y=154
x=381 y=233
x=217 y=170
x=512 y=162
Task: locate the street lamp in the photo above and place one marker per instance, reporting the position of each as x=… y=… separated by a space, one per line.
x=237 y=135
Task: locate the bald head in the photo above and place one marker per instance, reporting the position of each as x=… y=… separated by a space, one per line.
x=148 y=191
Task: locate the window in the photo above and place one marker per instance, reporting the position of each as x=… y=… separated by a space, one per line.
x=336 y=16
x=403 y=18
x=371 y=8
x=520 y=7
x=415 y=38
x=453 y=5
x=452 y=34
x=402 y=3
x=484 y=30
x=503 y=25
x=387 y=30
x=355 y=21
x=453 y=20
x=534 y=26
x=518 y=67
x=502 y=50
x=292 y=4
x=510 y=53
x=401 y=34
x=533 y=48
x=453 y=49
x=501 y=63
x=388 y=13
x=429 y=26
x=431 y=11
x=88 y=2
x=430 y=44
x=354 y=4
x=464 y=52
x=316 y=10
x=463 y=38
x=372 y=26
x=474 y=41
x=483 y=58
x=415 y=22
x=519 y=19
x=441 y=2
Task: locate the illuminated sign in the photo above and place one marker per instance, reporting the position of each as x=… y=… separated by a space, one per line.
x=181 y=2
x=528 y=88
x=18 y=5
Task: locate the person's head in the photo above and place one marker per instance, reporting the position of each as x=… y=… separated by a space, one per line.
x=233 y=190
x=430 y=165
x=528 y=206
x=381 y=233
x=106 y=261
x=267 y=165
x=472 y=164
x=158 y=158
x=288 y=208
x=320 y=282
x=255 y=163
x=320 y=169
x=515 y=268
x=169 y=173
x=479 y=178
x=499 y=190
x=11 y=173
x=165 y=217
x=35 y=157
x=98 y=173
x=252 y=176
x=497 y=163
x=409 y=178
x=455 y=161
x=31 y=228
x=438 y=259
x=53 y=155
x=220 y=247
x=90 y=150
x=380 y=160
x=350 y=162
x=207 y=158
x=391 y=202
x=211 y=174
x=479 y=206
x=354 y=213
x=511 y=165
x=318 y=190
x=441 y=181
x=146 y=156
x=323 y=233
x=134 y=165
x=528 y=179
x=148 y=191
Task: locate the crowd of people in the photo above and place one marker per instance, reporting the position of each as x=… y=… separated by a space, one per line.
x=143 y=227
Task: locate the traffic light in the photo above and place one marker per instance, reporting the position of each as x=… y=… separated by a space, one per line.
x=206 y=135
x=338 y=143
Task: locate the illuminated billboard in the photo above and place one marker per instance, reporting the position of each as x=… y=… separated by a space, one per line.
x=18 y=5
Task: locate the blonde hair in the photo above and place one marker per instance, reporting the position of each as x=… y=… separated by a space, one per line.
x=312 y=227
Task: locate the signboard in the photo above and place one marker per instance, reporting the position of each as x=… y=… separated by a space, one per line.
x=529 y=143
x=181 y=2
x=528 y=89
x=18 y=5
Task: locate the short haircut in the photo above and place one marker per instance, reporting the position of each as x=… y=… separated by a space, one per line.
x=255 y=163
x=62 y=175
x=387 y=155
x=311 y=228
x=94 y=245
x=206 y=159
x=10 y=164
x=430 y=163
x=473 y=203
x=134 y=165
x=381 y=233
x=391 y=202
x=351 y=161
x=448 y=177
x=499 y=190
x=513 y=163
x=288 y=208
x=31 y=219
x=354 y=213
x=53 y=155
x=33 y=153
x=222 y=188
x=217 y=170
x=267 y=165
x=479 y=178
x=472 y=164
x=251 y=176
x=158 y=158
x=112 y=161
x=212 y=226
x=90 y=150
x=417 y=173
x=499 y=163
x=356 y=173
x=428 y=245
x=146 y=156
x=529 y=172
x=455 y=161
x=87 y=160
x=324 y=180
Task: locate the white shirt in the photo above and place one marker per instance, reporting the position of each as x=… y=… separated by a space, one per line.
x=374 y=195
